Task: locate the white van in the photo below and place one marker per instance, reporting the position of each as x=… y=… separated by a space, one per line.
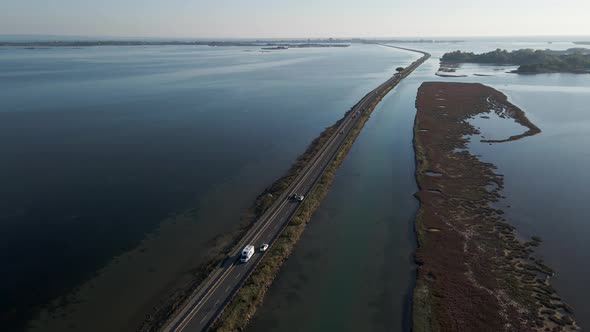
x=247 y=253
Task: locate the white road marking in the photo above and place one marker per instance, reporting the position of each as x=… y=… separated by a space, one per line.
x=202 y=319
x=227 y=289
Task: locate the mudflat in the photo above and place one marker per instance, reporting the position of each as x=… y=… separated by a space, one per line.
x=475 y=273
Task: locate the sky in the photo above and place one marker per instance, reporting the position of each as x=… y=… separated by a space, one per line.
x=295 y=18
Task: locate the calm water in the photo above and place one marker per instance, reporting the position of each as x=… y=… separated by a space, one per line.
x=100 y=145
x=352 y=269
x=547 y=181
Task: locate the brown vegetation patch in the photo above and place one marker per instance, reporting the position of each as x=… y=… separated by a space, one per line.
x=474 y=274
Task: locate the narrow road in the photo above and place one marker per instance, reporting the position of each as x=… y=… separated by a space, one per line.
x=208 y=301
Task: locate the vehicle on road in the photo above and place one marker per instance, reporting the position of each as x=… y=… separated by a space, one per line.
x=297 y=197
x=341 y=132
x=247 y=253
x=264 y=247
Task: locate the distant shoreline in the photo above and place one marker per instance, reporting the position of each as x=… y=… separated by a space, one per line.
x=529 y=61
x=302 y=43
x=274 y=45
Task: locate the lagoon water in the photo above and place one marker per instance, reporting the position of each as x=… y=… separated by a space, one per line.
x=121 y=165
x=547 y=183
x=102 y=145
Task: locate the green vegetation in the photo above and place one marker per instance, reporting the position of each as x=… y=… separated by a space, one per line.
x=529 y=60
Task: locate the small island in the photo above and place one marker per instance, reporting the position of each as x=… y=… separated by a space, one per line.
x=575 y=60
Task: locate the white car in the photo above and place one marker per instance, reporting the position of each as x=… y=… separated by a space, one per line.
x=264 y=247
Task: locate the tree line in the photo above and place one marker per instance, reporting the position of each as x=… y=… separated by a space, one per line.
x=529 y=60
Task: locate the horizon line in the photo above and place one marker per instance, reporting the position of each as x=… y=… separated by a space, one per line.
x=298 y=38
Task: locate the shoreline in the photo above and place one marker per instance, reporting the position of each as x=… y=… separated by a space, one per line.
x=474 y=273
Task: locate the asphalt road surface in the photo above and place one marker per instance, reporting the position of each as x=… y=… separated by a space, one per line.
x=208 y=301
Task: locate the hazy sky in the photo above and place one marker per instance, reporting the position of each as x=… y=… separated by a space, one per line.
x=295 y=18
